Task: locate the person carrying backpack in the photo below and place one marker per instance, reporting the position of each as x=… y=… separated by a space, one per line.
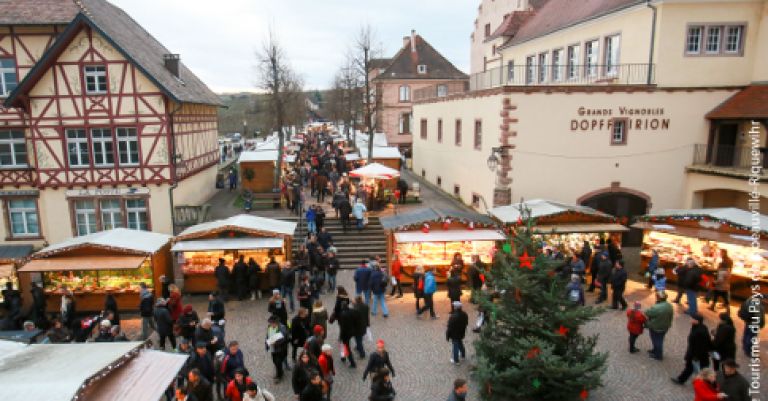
x=378 y=285
x=430 y=287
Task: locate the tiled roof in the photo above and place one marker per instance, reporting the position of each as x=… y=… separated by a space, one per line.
x=750 y=102
x=37 y=12
x=511 y=24
x=405 y=63
x=135 y=43
x=558 y=14
x=380 y=62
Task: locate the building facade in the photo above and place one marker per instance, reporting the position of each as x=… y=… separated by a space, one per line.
x=101 y=126
x=625 y=106
x=417 y=66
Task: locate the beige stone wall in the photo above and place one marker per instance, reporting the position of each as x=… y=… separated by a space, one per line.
x=760 y=66
x=489 y=12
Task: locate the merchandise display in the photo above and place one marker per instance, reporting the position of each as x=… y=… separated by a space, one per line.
x=99 y=281
x=204 y=262
x=441 y=253
x=570 y=241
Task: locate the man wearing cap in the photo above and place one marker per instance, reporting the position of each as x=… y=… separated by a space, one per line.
x=457 y=329
x=659 y=321
x=378 y=360
x=699 y=345
x=732 y=383
x=313 y=345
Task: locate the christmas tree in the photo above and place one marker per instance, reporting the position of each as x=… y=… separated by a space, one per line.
x=530 y=348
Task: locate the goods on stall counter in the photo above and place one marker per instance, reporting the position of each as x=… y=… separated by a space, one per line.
x=441 y=253
x=569 y=241
x=99 y=281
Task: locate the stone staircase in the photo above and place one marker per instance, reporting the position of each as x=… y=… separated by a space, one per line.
x=352 y=246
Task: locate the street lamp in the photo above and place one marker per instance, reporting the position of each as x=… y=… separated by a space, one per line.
x=493 y=159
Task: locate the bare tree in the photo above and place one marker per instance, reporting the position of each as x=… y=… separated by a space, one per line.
x=346 y=95
x=283 y=89
x=363 y=52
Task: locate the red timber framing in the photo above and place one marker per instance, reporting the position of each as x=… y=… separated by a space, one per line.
x=196 y=134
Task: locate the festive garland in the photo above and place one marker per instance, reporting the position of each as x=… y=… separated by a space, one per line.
x=690 y=217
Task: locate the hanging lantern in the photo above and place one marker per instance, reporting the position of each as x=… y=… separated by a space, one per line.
x=425 y=228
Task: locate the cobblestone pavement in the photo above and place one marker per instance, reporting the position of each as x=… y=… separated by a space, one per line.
x=421 y=355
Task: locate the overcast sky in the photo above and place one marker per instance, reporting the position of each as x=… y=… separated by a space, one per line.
x=217 y=39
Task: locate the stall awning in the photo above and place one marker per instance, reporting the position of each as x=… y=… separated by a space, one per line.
x=702 y=233
x=581 y=228
x=449 y=236
x=6 y=270
x=84 y=263
x=228 y=243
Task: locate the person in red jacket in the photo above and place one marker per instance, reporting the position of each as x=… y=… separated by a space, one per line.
x=705 y=387
x=326 y=367
x=635 y=325
x=396 y=272
x=174 y=302
x=237 y=386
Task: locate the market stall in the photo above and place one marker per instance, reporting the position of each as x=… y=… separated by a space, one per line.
x=701 y=234
x=379 y=181
x=430 y=237
x=562 y=225
x=90 y=266
x=11 y=257
x=389 y=156
x=199 y=248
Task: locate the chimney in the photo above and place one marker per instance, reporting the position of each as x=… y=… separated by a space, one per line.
x=406 y=40
x=171 y=62
x=413 y=41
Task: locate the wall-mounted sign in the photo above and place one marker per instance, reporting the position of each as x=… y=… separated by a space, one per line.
x=94 y=192
x=634 y=118
x=24 y=192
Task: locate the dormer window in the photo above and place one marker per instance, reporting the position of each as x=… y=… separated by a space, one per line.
x=95 y=79
x=422 y=68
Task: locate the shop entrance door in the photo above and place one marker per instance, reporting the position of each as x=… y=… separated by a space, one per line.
x=621 y=204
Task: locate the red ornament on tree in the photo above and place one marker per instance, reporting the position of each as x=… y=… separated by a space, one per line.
x=525 y=261
x=584 y=394
x=425 y=228
x=563 y=330
x=533 y=353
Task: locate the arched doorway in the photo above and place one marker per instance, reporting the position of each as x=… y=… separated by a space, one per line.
x=622 y=203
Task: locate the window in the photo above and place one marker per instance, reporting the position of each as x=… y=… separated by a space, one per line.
x=405 y=93
x=557 y=65
x=572 y=70
x=439 y=130
x=713 y=39
x=456 y=191
x=487 y=30
x=423 y=173
x=478 y=134
x=128 y=146
x=611 y=55
x=103 y=154
x=95 y=79
x=405 y=123
x=77 y=148
x=733 y=38
x=137 y=214
x=493 y=50
x=693 y=41
x=591 y=51
x=618 y=132
x=543 y=67
x=111 y=215
x=22 y=215
x=530 y=69
x=485 y=63
x=439 y=181
x=8 y=78
x=423 y=128
x=421 y=68
x=511 y=71
x=457 y=133
x=475 y=200
x=442 y=90
x=13 y=149
x=85 y=217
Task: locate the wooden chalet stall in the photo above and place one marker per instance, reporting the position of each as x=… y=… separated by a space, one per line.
x=387 y=155
x=430 y=237
x=701 y=234
x=257 y=170
x=199 y=248
x=562 y=225
x=90 y=266
x=11 y=257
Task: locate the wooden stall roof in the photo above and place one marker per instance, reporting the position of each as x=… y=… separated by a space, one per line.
x=702 y=233
x=228 y=243
x=709 y=218
x=242 y=223
x=375 y=170
x=580 y=228
x=544 y=209
x=74 y=263
x=416 y=218
x=118 y=240
x=449 y=236
x=257 y=156
x=56 y=372
x=381 y=152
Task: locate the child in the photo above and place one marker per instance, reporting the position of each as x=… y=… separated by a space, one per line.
x=635 y=325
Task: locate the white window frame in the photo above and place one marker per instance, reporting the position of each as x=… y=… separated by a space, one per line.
x=442 y=90
x=717 y=43
x=611 y=56
x=421 y=68
x=79 y=145
x=403 y=130
x=530 y=70
x=111 y=213
x=542 y=73
x=739 y=39
x=27 y=214
x=134 y=214
x=591 y=57
x=103 y=147
x=95 y=76
x=573 y=56
x=511 y=71
x=6 y=87
x=619 y=130
x=557 y=65
x=694 y=37
x=88 y=216
x=405 y=93
x=15 y=138
x=127 y=146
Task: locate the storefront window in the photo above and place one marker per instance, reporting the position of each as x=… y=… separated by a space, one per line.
x=125 y=280
x=204 y=262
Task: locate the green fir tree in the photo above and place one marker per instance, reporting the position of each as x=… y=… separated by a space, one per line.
x=530 y=348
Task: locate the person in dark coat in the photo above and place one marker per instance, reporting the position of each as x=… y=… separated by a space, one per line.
x=618 y=285
x=699 y=345
x=333 y=266
x=233 y=361
x=324 y=238
x=222 y=279
x=418 y=285
x=594 y=268
x=345 y=209
x=216 y=306
x=724 y=341
x=301 y=372
x=300 y=331
x=347 y=326
x=110 y=305
x=201 y=360
x=38 y=304
x=288 y=283
x=752 y=313
x=362 y=279
x=363 y=322
x=614 y=254
x=165 y=286
x=188 y=322
x=273 y=274
x=603 y=275
x=456 y=330
x=681 y=272
x=204 y=334
x=402 y=186
x=240 y=277
x=164 y=324
x=378 y=361
x=199 y=386
x=732 y=383
x=314 y=390
x=381 y=387
x=586 y=253
x=254 y=282
x=454 y=287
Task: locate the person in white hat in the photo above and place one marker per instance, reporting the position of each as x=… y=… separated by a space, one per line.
x=457 y=329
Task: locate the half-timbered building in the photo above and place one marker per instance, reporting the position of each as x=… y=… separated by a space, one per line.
x=102 y=126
